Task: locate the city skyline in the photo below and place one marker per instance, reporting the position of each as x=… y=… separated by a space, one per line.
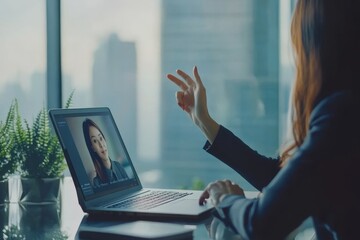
x=236 y=53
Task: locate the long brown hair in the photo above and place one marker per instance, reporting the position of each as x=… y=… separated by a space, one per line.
x=325 y=38
x=99 y=166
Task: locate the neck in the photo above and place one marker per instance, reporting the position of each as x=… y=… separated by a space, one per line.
x=107 y=164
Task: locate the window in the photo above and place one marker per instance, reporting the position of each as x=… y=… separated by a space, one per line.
x=116 y=53
x=22 y=56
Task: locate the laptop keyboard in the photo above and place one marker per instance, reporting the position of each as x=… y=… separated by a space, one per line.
x=150 y=200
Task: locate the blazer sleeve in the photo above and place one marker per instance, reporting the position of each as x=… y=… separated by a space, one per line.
x=302 y=188
x=257 y=169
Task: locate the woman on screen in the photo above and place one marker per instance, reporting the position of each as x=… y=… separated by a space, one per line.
x=107 y=170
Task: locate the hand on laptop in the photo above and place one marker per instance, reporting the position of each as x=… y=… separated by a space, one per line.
x=216 y=191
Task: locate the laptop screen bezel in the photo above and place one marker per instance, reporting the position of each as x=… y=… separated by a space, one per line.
x=107 y=194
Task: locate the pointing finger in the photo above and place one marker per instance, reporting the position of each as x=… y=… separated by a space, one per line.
x=177 y=81
x=205 y=195
x=186 y=77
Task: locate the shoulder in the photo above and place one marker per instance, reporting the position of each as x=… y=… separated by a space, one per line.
x=119 y=169
x=116 y=163
x=340 y=106
x=334 y=122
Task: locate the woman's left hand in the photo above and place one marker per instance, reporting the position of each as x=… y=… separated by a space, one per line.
x=216 y=191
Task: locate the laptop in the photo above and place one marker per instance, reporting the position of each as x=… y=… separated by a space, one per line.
x=105 y=179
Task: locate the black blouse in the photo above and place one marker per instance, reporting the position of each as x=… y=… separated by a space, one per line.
x=321 y=180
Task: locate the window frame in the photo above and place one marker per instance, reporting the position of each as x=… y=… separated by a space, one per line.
x=53 y=54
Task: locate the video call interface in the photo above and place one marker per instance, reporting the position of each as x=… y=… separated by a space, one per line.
x=97 y=154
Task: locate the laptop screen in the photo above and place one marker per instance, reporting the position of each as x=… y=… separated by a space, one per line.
x=95 y=152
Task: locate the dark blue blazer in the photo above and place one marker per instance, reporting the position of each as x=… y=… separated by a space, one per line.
x=321 y=180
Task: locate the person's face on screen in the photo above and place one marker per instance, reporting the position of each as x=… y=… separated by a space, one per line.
x=98 y=143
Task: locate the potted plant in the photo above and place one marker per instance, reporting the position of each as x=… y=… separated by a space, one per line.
x=8 y=165
x=41 y=158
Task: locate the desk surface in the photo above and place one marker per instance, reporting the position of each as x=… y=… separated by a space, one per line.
x=61 y=221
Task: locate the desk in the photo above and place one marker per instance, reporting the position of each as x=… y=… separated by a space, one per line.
x=61 y=221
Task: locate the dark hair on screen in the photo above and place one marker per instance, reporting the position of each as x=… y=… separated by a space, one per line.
x=87 y=123
x=326 y=42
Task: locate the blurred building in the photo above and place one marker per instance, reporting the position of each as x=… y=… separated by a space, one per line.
x=114 y=85
x=235 y=46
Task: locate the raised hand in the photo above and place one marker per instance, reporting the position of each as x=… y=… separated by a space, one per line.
x=192 y=99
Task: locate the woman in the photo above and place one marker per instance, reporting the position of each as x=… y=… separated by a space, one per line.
x=107 y=171
x=316 y=175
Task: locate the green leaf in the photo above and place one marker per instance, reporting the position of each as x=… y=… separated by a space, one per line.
x=38 y=150
x=8 y=165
